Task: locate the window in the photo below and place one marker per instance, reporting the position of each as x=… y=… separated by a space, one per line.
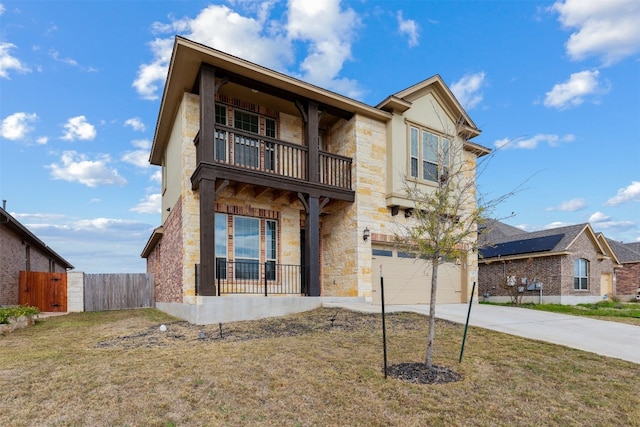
x=271 y=249
x=429 y=154
x=246 y=240
x=581 y=274
x=221 y=245
x=414 y=152
x=247 y=253
x=247 y=150
x=220 y=143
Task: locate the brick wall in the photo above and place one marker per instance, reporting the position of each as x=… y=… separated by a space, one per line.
x=627 y=280
x=555 y=272
x=492 y=277
x=14 y=260
x=165 y=261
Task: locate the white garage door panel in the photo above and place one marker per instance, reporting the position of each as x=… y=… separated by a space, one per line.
x=408 y=281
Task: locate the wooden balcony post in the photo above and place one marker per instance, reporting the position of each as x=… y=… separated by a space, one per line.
x=207 y=91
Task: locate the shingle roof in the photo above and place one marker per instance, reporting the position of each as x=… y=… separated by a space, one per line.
x=503 y=240
x=14 y=225
x=625 y=252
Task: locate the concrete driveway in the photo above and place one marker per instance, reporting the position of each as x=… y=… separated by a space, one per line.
x=609 y=339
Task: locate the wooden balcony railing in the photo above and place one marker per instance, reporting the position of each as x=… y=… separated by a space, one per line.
x=247 y=150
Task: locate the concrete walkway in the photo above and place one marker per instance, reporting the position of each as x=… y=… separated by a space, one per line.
x=609 y=339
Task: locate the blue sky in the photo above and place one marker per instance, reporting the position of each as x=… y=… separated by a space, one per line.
x=554 y=86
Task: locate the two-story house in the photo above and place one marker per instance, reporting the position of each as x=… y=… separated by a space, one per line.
x=274 y=186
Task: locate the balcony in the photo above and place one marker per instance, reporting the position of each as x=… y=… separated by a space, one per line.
x=265 y=157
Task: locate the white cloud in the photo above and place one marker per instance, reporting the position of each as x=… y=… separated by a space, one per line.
x=573 y=91
x=329 y=33
x=135 y=123
x=531 y=143
x=410 y=28
x=152 y=203
x=56 y=56
x=75 y=167
x=570 y=205
x=17 y=126
x=8 y=62
x=156 y=177
x=602 y=221
x=630 y=193
x=42 y=140
x=139 y=157
x=2 y=9
x=323 y=27
x=605 y=29
x=79 y=128
x=467 y=89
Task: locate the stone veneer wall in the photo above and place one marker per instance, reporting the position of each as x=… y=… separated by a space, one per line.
x=628 y=280
x=190 y=243
x=75 y=291
x=346 y=256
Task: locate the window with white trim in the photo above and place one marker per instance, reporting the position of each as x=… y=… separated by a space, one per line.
x=429 y=154
x=581 y=274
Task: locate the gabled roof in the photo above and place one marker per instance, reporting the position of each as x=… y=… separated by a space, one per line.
x=6 y=220
x=186 y=58
x=401 y=101
x=625 y=252
x=507 y=243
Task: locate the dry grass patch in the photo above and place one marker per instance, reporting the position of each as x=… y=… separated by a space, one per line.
x=117 y=368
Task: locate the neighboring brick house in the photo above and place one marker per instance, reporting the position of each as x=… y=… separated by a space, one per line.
x=566 y=265
x=627 y=275
x=273 y=185
x=21 y=250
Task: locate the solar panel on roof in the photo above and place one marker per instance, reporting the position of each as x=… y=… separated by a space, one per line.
x=518 y=247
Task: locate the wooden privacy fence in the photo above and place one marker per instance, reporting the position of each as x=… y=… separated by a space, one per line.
x=118 y=291
x=46 y=291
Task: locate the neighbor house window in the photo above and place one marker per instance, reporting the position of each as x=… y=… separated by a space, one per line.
x=429 y=154
x=221 y=245
x=580 y=274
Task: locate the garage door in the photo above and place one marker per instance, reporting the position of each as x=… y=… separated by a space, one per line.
x=407 y=280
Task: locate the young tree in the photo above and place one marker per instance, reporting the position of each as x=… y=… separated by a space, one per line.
x=446 y=214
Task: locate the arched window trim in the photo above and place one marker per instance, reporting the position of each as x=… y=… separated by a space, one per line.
x=581 y=274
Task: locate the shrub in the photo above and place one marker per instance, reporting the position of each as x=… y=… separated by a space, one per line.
x=22 y=310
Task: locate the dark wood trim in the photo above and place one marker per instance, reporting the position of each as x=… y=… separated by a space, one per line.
x=311 y=141
x=207 y=113
x=312 y=242
x=213 y=171
x=207 y=278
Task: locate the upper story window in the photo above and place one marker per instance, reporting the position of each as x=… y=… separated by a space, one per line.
x=245 y=121
x=581 y=274
x=429 y=154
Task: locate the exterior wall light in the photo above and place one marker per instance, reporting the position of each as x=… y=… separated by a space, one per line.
x=365 y=234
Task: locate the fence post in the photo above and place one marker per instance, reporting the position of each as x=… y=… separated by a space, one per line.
x=265 y=279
